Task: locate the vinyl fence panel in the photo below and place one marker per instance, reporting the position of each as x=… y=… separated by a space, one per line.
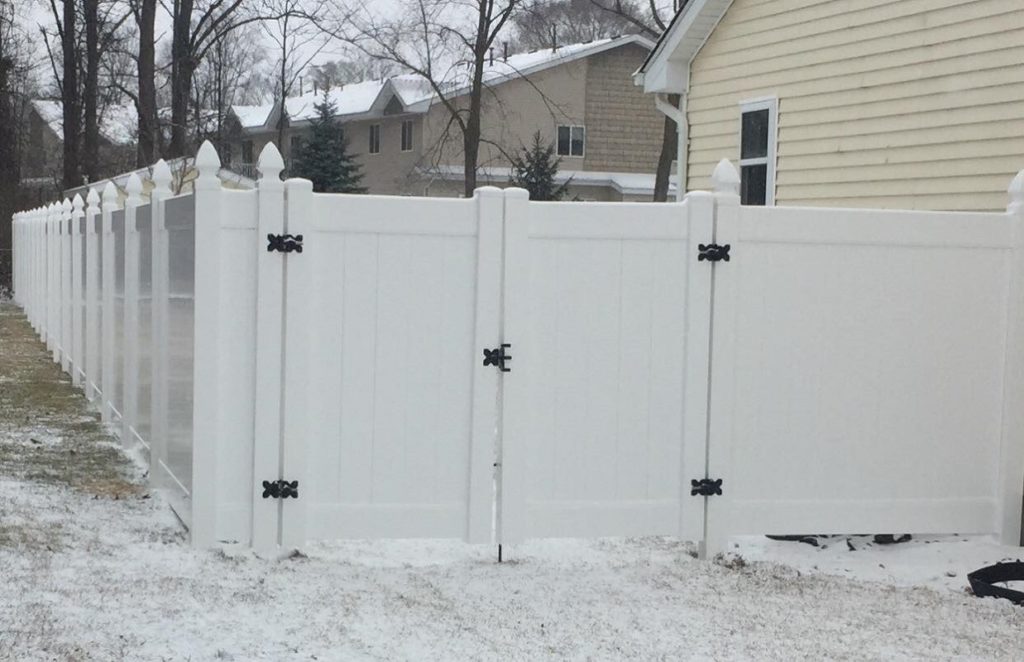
x=858 y=369
x=596 y=315
x=388 y=344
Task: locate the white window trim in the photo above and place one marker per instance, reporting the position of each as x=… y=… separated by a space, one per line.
x=571 y=127
x=771 y=104
x=402 y=137
x=379 y=140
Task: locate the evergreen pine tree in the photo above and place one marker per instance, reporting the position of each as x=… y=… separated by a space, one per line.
x=323 y=158
x=535 y=171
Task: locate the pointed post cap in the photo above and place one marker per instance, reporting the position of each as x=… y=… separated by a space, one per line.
x=65 y=205
x=109 y=192
x=1016 y=192
x=270 y=162
x=77 y=203
x=162 y=176
x=93 y=197
x=725 y=178
x=207 y=161
x=134 y=187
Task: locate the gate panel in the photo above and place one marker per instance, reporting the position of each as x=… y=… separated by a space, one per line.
x=596 y=313
x=389 y=325
x=858 y=371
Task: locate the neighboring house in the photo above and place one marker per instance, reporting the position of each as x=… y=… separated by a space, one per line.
x=578 y=96
x=44 y=153
x=118 y=127
x=908 y=105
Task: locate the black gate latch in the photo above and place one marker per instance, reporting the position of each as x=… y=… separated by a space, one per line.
x=706 y=487
x=280 y=489
x=284 y=243
x=713 y=252
x=497 y=357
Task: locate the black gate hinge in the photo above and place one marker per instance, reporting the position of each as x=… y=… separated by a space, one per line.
x=706 y=487
x=280 y=489
x=498 y=357
x=713 y=252
x=284 y=243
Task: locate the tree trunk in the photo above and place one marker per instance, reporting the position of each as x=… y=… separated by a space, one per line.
x=182 y=69
x=148 y=122
x=90 y=98
x=70 y=100
x=669 y=137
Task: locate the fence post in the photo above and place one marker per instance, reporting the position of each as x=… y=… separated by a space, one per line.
x=486 y=424
x=1011 y=463
x=92 y=296
x=52 y=281
x=266 y=513
x=296 y=355
x=207 y=377
x=726 y=184
x=130 y=376
x=66 y=297
x=107 y=335
x=159 y=311
x=77 y=294
x=699 y=208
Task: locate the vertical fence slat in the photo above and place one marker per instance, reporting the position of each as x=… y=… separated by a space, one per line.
x=52 y=282
x=107 y=334
x=486 y=381
x=130 y=378
x=159 y=394
x=92 y=295
x=725 y=283
x=77 y=292
x=297 y=354
x=66 y=299
x=512 y=459
x=266 y=513
x=700 y=211
x=206 y=372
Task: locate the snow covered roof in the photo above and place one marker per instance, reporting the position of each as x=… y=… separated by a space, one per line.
x=253 y=116
x=118 y=124
x=523 y=64
x=415 y=92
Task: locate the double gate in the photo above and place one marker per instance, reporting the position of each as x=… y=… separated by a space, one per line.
x=486 y=368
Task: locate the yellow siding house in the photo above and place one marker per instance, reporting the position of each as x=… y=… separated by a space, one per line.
x=908 y=104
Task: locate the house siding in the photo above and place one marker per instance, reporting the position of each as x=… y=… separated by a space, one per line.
x=624 y=130
x=917 y=104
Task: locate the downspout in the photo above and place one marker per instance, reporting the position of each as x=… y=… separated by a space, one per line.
x=677 y=115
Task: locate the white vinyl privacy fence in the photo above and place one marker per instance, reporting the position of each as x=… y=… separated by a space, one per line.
x=314 y=366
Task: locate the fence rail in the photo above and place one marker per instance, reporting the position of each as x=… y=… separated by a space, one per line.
x=307 y=366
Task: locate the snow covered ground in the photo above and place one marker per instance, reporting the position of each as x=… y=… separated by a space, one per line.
x=95 y=567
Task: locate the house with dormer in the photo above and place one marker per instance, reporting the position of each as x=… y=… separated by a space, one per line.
x=579 y=96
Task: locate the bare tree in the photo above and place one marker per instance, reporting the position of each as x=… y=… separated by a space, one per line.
x=353 y=69
x=231 y=73
x=297 y=40
x=197 y=25
x=15 y=81
x=144 y=12
x=652 y=22
x=66 y=79
x=543 y=23
x=427 y=34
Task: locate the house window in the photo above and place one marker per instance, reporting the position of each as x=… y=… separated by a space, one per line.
x=247 y=151
x=757 y=151
x=571 y=140
x=375 y=139
x=407 y=136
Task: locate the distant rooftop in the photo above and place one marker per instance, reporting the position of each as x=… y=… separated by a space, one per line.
x=416 y=93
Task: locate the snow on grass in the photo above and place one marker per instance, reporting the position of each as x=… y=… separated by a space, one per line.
x=96 y=567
